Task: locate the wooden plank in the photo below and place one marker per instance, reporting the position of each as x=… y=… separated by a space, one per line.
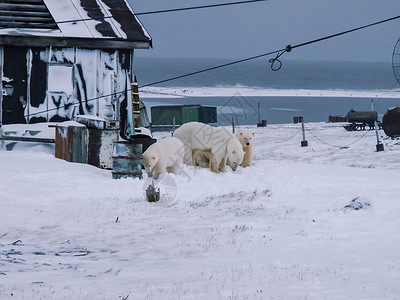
x=24 y=13
x=26 y=7
x=89 y=43
x=27 y=139
x=28 y=25
x=23 y=1
x=27 y=20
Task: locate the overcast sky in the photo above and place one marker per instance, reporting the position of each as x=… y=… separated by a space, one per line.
x=245 y=30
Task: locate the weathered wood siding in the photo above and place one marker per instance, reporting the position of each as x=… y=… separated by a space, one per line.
x=50 y=84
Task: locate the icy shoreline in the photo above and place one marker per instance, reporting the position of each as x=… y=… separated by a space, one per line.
x=179 y=92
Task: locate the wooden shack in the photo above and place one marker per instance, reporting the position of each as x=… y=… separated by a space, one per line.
x=59 y=58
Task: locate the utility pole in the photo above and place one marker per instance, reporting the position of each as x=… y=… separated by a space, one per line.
x=379 y=145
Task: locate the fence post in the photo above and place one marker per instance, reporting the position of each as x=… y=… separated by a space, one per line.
x=304 y=143
x=379 y=146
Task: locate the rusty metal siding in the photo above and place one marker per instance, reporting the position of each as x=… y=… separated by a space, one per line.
x=72 y=143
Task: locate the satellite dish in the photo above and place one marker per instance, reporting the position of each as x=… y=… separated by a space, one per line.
x=396 y=61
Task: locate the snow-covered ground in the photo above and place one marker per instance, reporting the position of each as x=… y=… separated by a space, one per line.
x=316 y=222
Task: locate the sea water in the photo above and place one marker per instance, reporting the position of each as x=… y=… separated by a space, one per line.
x=244 y=110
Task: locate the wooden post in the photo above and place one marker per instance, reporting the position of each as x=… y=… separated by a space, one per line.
x=133 y=109
x=304 y=143
x=136 y=105
x=379 y=146
x=129 y=106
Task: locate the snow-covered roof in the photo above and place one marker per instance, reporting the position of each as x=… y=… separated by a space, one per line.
x=86 y=23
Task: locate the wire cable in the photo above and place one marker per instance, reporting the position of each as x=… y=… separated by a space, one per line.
x=385 y=141
x=212 y=68
x=168 y=10
x=169 y=79
x=279 y=53
x=336 y=146
x=285 y=140
x=345 y=32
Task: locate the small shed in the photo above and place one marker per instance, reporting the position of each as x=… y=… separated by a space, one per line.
x=164 y=115
x=59 y=58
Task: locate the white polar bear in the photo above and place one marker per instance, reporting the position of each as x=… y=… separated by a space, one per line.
x=246 y=138
x=215 y=144
x=164 y=156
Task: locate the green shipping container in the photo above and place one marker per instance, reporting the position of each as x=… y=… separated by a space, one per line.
x=164 y=115
x=190 y=114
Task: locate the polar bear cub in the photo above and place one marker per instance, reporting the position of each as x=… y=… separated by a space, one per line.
x=217 y=144
x=246 y=139
x=164 y=156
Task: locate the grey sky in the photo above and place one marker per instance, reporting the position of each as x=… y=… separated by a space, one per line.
x=245 y=30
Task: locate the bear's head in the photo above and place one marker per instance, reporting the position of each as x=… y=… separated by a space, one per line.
x=150 y=159
x=235 y=153
x=245 y=138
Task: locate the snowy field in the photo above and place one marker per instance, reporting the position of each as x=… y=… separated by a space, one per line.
x=316 y=222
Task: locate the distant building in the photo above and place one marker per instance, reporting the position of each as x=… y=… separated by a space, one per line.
x=57 y=57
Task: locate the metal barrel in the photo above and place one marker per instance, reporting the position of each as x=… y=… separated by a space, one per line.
x=127 y=160
x=391 y=122
x=100 y=147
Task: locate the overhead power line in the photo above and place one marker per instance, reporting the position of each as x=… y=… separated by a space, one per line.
x=212 y=68
x=279 y=53
x=168 y=10
x=197 y=7
x=345 y=32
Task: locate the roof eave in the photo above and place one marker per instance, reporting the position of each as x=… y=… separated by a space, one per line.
x=43 y=41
